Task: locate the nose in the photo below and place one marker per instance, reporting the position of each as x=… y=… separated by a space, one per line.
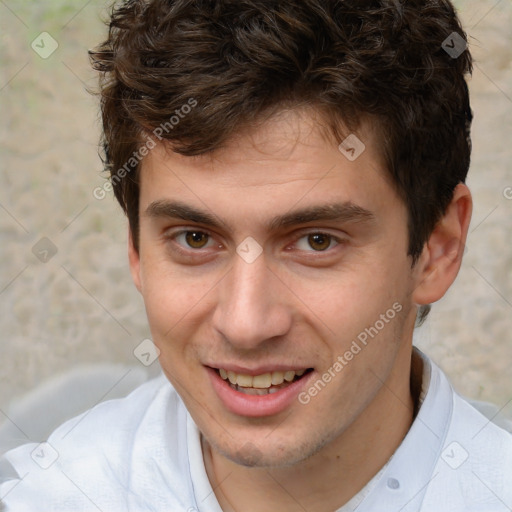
x=252 y=306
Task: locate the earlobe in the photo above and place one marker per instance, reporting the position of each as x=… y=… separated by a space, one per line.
x=441 y=259
x=134 y=261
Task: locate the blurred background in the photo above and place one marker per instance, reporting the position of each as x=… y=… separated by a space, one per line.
x=70 y=318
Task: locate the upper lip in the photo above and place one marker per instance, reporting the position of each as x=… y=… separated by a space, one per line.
x=258 y=370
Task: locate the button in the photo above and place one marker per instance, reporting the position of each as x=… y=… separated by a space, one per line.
x=393 y=483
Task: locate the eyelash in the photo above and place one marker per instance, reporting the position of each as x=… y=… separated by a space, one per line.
x=181 y=233
x=332 y=240
x=185 y=249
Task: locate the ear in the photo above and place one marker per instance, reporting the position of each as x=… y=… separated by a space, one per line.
x=134 y=260
x=441 y=258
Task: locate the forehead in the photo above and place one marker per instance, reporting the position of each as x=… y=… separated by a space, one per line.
x=287 y=160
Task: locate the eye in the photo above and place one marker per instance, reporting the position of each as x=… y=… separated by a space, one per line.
x=317 y=241
x=193 y=239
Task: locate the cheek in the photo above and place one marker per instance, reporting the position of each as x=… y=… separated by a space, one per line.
x=360 y=314
x=176 y=299
x=349 y=299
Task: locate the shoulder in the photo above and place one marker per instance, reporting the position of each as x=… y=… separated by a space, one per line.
x=113 y=424
x=93 y=460
x=473 y=472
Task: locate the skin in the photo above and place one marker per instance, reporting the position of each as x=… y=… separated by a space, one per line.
x=294 y=305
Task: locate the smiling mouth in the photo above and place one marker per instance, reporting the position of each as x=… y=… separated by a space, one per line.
x=264 y=384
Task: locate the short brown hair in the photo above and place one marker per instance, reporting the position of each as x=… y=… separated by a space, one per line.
x=240 y=59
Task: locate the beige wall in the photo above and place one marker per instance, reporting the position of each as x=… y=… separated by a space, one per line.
x=80 y=306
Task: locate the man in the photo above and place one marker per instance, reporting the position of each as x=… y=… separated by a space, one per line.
x=293 y=176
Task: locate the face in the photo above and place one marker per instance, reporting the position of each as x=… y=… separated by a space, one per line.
x=281 y=265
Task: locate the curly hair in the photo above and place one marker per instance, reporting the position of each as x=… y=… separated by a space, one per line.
x=241 y=60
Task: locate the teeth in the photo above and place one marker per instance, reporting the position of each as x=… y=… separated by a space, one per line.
x=254 y=391
x=263 y=381
x=277 y=378
x=245 y=381
x=289 y=375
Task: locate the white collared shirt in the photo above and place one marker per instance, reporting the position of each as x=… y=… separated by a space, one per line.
x=143 y=453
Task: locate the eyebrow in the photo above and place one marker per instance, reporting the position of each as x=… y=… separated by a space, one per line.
x=340 y=212
x=178 y=210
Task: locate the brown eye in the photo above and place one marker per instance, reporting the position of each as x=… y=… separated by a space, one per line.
x=196 y=239
x=319 y=241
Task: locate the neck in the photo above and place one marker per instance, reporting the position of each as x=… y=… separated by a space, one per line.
x=332 y=476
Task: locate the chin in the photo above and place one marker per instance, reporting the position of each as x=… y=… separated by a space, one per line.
x=266 y=454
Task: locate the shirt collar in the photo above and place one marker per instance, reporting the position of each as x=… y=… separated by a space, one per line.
x=402 y=485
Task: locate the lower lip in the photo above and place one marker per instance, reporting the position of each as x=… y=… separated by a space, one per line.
x=256 y=405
